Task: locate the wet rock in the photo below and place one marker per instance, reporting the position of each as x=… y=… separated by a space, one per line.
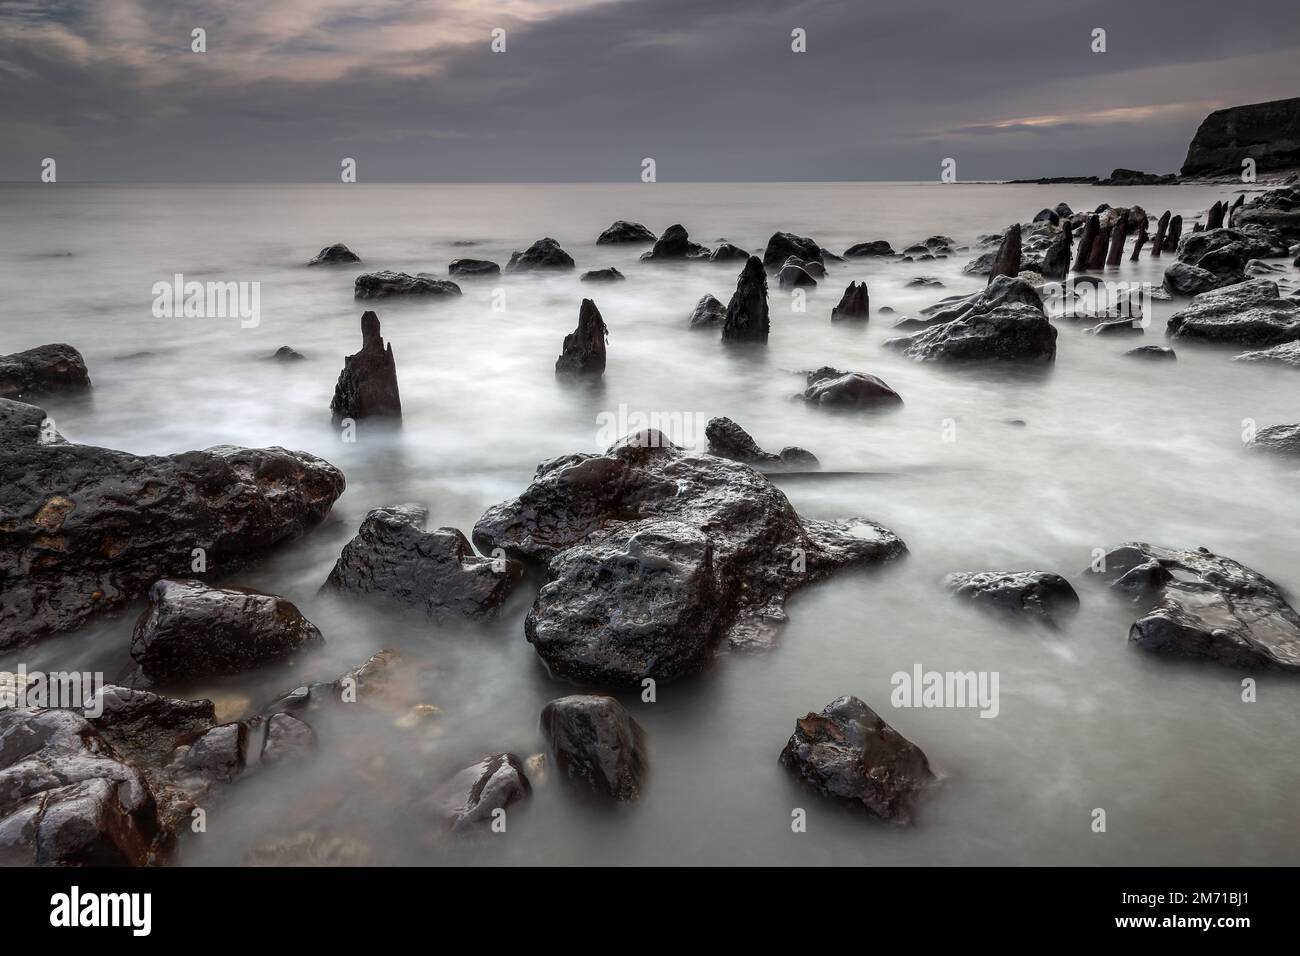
x=1004 y=323
x=216 y=756
x=1152 y=352
x=603 y=275
x=1257 y=267
x=831 y=388
x=784 y=245
x=854 y=304
x=792 y=276
x=376 y=683
x=1277 y=209
x=708 y=313
x=336 y=254
x=286 y=354
x=1007 y=260
x=287 y=738
x=394 y=558
x=1278 y=439
x=675 y=244
x=1182 y=279
x=655 y=556
x=469 y=799
x=1201 y=605
x=924 y=282
x=192 y=630
x=1248 y=313
x=848 y=754
x=145 y=727
x=584 y=348
x=814 y=269
x=382 y=285
x=1087 y=239
x=44 y=370
x=1118 y=326
x=1048 y=215
x=726 y=252
x=729 y=440
x=88 y=529
x=598 y=748
x=747 y=319
x=473 y=267
x=876 y=247
x=624 y=231
x=1287 y=354
x=1056 y=260
x=1225 y=252
x=544 y=254
x=1039 y=595
x=981 y=265
x=368 y=383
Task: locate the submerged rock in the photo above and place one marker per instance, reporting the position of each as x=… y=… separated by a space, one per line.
x=830 y=387
x=471 y=798
x=708 y=313
x=287 y=738
x=1152 y=352
x=286 y=354
x=784 y=245
x=655 y=557
x=1201 y=605
x=729 y=440
x=584 y=348
x=793 y=276
x=1006 y=322
x=394 y=558
x=44 y=370
x=368 y=383
x=473 y=267
x=193 y=630
x=726 y=252
x=1286 y=354
x=88 y=529
x=675 y=244
x=624 y=231
x=1184 y=279
x=602 y=275
x=1278 y=439
x=876 y=247
x=382 y=285
x=854 y=304
x=336 y=254
x=543 y=254
x=747 y=318
x=1248 y=313
x=847 y=753
x=598 y=748
x=1039 y=595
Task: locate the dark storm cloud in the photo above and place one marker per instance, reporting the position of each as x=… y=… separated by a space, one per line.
x=588 y=88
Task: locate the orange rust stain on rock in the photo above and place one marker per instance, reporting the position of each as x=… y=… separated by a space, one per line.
x=53 y=512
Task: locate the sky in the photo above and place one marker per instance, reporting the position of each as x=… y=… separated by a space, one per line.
x=587 y=89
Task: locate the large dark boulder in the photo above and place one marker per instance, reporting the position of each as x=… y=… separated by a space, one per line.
x=831 y=388
x=876 y=247
x=1268 y=133
x=1277 y=209
x=1201 y=605
x=855 y=303
x=1038 y=595
x=337 y=254
x=783 y=245
x=382 y=285
x=624 y=231
x=675 y=245
x=793 y=275
x=598 y=748
x=583 y=352
x=473 y=267
x=726 y=252
x=655 y=557
x=395 y=559
x=1246 y=313
x=368 y=383
x=1006 y=322
x=192 y=630
x=44 y=370
x=708 y=313
x=747 y=318
x=1188 y=280
x=471 y=798
x=848 y=754
x=88 y=529
x=729 y=440
x=544 y=254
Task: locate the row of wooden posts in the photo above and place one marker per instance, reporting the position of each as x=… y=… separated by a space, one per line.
x=1103 y=246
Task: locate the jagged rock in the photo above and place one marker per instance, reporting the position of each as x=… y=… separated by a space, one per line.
x=1278 y=439
x=729 y=440
x=854 y=304
x=876 y=247
x=624 y=231
x=287 y=738
x=336 y=254
x=1247 y=313
x=747 y=319
x=981 y=265
x=381 y=285
x=675 y=244
x=368 y=383
x=829 y=387
x=584 y=348
x=145 y=727
x=1056 y=260
x=1174 y=234
x=783 y=245
x=1199 y=604
x=469 y=799
x=285 y=354
x=726 y=252
x=603 y=275
x=1041 y=595
x=473 y=267
x=541 y=255
x=1268 y=133
x=394 y=558
x=1087 y=239
x=1152 y=352
x=193 y=630
x=1225 y=252
x=1277 y=209
x=598 y=748
x=1286 y=354
x=1007 y=260
x=708 y=313
x=847 y=753
x=1006 y=322
x=88 y=529
x=44 y=370
x=655 y=556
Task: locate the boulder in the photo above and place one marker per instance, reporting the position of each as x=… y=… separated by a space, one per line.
x=542 y=255
x=473 y=267
x=831 y=388
x=1278 y=439
x=336 y=254
x=793 y=276
x=1286 y=354
x=1152 y=352
x=598 y=748
x=1006 y=322
x=1038 y=595
x=44 y=370
x=1247 y=313
x=848 y=754
x=624 y=231
x=89 y=529
x=876 y=247
x=368 y=383
x=726 y=252
x=708 y=313
x=1268 y=133
x=192 y=630
x=286 y=354
x=783 y=245
x=1198 y=604
x=1183 y=279
x=747 y=319
x=381 y=285
x=854 y=304
x=471 y=798
x=603 y=275
x=675 y=245
x=583 y=352
x=729 y=440
x=655 y=557
x=393 y=558
x=287 y=738
x=1277 y=209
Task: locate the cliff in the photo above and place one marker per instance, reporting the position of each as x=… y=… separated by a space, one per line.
x=1267 y=132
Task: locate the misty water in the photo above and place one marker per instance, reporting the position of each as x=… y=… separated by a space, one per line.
x=1109 y=449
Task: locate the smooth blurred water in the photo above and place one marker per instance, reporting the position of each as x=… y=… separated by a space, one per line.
x=1111 y=449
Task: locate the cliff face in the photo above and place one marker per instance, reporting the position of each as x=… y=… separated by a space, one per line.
x=1267 y=132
